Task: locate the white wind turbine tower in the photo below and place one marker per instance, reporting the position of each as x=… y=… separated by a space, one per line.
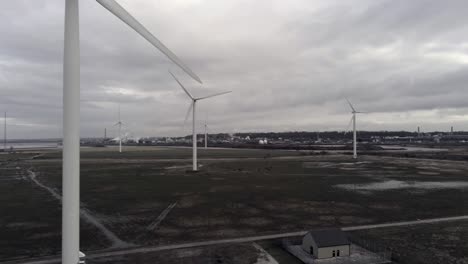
x=192 y=107
x=119 y=123
x=205 y=126
x=206 y=135
x=5 y=134
x=353 y=119
x=71 y=117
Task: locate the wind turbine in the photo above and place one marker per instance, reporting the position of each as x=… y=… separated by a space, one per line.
x=119 y=123
x=206 y=135
x=71 y=136
x=71 y=117
x=353 y=119
x=5 y=134
x=192 y=107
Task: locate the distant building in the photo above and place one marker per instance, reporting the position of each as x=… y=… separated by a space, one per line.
x=326 y=243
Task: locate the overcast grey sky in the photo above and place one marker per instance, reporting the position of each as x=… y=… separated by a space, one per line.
x=290 y=64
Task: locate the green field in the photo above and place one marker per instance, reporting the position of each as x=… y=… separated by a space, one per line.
x=236 y=193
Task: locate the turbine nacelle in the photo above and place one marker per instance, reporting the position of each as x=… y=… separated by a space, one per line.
x=191 y=96
x=194 y=99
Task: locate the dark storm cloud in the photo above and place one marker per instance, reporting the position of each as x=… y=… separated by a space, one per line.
x=289 y=64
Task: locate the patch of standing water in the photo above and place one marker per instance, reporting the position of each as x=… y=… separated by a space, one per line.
x=428 y=173
x=394 y=184
x=405 y=148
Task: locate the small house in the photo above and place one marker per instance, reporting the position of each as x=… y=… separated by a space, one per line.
x=327 y=243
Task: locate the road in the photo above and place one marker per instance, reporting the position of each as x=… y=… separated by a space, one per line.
x=407 y=223
x=108 y=253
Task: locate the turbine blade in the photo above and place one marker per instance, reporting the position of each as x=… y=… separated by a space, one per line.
x=185 y=90
x=189 y=110
x=354 y=110
x=213 y=95
x=128 y=19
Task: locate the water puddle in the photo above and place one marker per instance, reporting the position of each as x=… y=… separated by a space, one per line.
x=394 y=184
x=312 y=165
x=408 y=149
x=176 y=167
x=427 y=168
x=428 y=173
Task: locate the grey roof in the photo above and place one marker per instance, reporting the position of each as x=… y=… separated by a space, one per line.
x=329 y=237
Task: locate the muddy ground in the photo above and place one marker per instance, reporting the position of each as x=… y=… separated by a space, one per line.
x=236 y=193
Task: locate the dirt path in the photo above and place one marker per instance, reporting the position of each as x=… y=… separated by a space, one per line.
x=85 y=214
x=161 y=217
x=121 y=252
x=407 y=223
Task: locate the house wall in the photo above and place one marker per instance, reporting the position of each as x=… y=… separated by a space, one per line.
x=327 y=252
x=308 y=242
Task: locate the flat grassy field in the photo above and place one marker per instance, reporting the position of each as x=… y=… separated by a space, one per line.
x=167 y=153
x=244 y=253
x=30 y=218
x=236 y=193
x=430 y=243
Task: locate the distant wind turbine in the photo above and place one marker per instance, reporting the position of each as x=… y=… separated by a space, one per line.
x=119 y=123
x=5 y=135
x=206 y=135
x=192 y=108
x=353 y=119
